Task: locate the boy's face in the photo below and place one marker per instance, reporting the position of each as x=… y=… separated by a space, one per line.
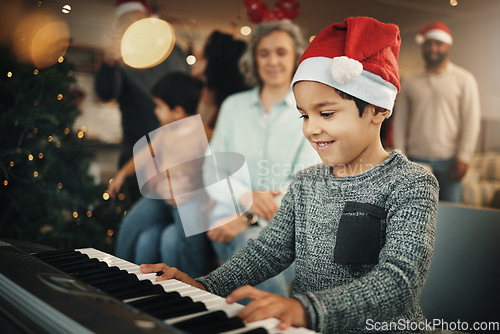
x=164 y=113
x=275 y=58
x=333 y=126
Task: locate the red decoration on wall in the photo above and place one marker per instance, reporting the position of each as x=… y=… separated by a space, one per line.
x=283 y=9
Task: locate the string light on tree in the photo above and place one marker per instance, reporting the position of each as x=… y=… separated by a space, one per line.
x=30 y=157
x=245 y=30
x=9 y=74
x=453 y=2
x=191 y=59
x=66 y=9
x=59 y=97
x=35 y=72
x=60 y=59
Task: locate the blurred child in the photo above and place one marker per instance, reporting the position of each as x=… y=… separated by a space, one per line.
x=176 y=97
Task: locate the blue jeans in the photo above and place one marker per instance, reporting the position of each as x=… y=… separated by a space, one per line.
x=144 y=214
x=277 y=284
x=166 y=241
x=449 y=189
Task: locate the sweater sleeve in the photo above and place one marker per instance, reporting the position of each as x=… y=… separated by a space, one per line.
x=393 y=286
x=262 y=258
x=470 y=114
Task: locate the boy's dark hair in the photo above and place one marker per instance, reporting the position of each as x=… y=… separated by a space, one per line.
x=360 y=104
x=179 y=89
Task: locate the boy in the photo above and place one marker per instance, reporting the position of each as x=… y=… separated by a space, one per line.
x=360 y=226
x=177 y=146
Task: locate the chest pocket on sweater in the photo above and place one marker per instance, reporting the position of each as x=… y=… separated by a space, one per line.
x=360 y=235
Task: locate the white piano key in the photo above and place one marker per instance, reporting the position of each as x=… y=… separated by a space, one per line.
x=211 y=301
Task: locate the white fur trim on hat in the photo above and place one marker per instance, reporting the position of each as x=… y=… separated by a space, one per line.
x=366 y=86
x=130 y=7
x=436 y=34
x=345 y=69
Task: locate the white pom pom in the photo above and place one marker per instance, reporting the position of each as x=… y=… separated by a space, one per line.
x=419 y=39
x=345 y=69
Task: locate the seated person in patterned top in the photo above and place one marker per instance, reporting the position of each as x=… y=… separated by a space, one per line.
x=360 y=226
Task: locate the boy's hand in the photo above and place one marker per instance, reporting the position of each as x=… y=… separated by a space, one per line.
x=267 y=305
x=165 y=272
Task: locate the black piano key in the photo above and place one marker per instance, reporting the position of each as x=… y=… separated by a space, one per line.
x=165 y=304
x=214 y=322
x=100 y=275
x=67 y=259
x=91 y=274
x=118 y=284
x=173 y=295
x=110 y=277
x=260 y=330
x=218 y=327
x=138 y=292
x=70 y=270
x=69 y=265
x=178 y=311
x=49 y=254
x=62 y=257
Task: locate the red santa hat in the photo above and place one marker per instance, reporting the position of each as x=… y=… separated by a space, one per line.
x=434 y=30
x=358 y=57
x=126 y=6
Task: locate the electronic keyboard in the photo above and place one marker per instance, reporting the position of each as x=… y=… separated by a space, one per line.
x=90 y=291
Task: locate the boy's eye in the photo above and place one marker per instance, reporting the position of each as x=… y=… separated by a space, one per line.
x=327 y=114
x=304 y=116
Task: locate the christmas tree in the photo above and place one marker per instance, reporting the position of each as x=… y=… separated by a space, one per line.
x=46 y=192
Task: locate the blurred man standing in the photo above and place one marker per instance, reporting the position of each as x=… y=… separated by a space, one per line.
x=437 y=113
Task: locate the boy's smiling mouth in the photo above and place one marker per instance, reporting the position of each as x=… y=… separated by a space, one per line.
x=323 y=145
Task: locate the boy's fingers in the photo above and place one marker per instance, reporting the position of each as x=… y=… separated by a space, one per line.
x=153 y=268
x=256 y=310
x=286 y=320
x=246 y=291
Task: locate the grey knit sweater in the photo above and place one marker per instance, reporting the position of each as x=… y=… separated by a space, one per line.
x=362 y=245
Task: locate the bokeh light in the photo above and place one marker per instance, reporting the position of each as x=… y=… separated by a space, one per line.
x=40 y=40
x=147 y=43
x=191 y=59
x=66 y=9
x=245 y=30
